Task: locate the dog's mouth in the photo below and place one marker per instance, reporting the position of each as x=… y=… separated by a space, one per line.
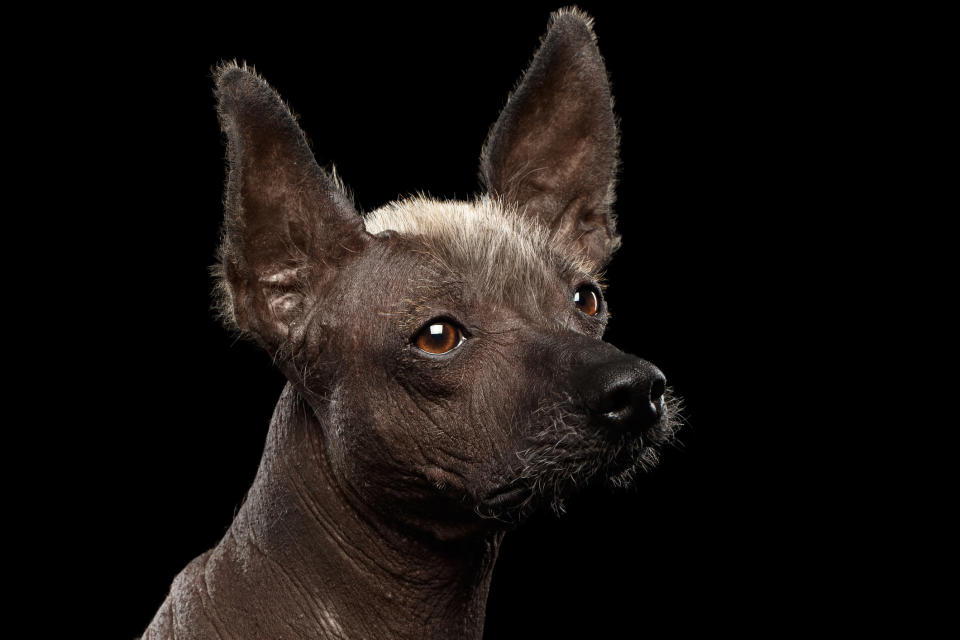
x=508 y=504
x=566 y=451
x=507 y=497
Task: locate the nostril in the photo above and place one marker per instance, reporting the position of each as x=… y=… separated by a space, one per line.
x=617 y=399
x=657 y=388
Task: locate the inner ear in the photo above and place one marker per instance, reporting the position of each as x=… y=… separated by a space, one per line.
x=554 y=148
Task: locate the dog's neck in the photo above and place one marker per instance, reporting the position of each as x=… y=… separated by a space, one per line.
x=306 y=556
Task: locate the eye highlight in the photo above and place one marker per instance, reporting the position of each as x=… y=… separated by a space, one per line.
x=439 y=336
x=587 y=300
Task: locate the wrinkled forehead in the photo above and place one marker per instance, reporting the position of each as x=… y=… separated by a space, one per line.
x=501 y=253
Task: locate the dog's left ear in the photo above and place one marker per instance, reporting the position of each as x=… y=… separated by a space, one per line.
x=554 y=148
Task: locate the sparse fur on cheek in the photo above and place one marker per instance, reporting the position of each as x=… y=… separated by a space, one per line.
x=565 y=453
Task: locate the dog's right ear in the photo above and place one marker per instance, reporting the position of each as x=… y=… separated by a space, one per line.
x=288 y=225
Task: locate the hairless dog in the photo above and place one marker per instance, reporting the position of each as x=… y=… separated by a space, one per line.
x=445 y=364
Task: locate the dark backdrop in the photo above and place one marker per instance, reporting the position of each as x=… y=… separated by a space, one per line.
x=721 y=114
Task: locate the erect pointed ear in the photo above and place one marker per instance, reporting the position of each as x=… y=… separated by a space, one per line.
x=288 y=225
x=554 y=148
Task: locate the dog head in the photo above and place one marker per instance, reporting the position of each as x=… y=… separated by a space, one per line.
x=452 y=352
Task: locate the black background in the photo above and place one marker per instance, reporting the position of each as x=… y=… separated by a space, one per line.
x=724 y=121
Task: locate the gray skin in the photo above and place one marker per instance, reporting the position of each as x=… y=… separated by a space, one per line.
x=389 y=474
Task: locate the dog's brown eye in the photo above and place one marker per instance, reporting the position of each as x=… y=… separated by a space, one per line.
x=586 y=300
x=438 y=337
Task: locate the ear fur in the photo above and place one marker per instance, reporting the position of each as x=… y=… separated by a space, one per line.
x=554 y=148
x=287 y=224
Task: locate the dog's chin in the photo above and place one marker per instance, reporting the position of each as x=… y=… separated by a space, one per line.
x=566 y=452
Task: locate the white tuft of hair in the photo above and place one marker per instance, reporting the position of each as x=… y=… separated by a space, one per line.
x=492 y=242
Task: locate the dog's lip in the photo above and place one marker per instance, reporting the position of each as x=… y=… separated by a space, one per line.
x=507 y=496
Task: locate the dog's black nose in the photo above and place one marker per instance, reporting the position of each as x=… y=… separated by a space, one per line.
x=627 y=395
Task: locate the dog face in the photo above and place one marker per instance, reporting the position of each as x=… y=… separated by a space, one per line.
x=451 y=351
